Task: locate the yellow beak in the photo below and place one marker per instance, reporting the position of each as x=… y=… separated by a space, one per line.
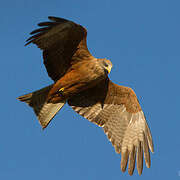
x=108 y=69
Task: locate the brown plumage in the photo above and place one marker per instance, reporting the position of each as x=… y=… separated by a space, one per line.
x=82 y=80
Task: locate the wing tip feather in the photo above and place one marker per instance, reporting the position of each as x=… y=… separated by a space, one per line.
x=45 y=27
x=124 y=160
x=57 y=19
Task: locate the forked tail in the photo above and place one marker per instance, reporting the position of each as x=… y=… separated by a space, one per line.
x=44 y=111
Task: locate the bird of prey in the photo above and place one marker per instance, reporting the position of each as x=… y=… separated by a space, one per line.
x=82 y=81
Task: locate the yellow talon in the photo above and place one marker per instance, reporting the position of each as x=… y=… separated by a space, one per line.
x=62 y=89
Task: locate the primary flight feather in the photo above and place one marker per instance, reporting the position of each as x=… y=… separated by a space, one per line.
x=82 y=81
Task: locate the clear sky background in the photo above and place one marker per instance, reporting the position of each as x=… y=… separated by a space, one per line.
x=141 y=38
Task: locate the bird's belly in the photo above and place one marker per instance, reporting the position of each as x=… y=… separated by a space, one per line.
x=73 y=83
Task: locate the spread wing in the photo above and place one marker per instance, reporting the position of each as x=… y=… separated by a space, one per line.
x=63 y=43
x=116 y=109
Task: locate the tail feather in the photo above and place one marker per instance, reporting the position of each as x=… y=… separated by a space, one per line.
x=44 y=110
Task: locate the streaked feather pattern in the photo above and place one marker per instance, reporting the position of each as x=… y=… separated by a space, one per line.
x=88 y=91
x=44 y=110
x=124 y=126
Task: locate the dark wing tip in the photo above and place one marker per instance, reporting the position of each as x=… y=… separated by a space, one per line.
x=45 y=27
x=25 y=98
x=41 y=29
x=57 y=19
x=47 y=23
x=34 y=37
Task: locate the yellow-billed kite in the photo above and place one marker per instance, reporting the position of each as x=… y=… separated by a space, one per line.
x=82 y=81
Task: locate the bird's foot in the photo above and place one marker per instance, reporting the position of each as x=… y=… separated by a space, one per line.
x=61 y=90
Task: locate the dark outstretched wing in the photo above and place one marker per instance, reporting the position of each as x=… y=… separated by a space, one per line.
x=63 y=43
x=116 y=109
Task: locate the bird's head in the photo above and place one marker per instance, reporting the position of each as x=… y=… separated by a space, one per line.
x=106 y=64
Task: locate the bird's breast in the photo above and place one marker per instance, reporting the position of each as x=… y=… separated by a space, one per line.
x=78 y=79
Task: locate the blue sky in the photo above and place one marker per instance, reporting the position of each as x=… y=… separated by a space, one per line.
x=141 y=38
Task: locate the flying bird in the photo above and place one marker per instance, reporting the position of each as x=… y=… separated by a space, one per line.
x=82 y=81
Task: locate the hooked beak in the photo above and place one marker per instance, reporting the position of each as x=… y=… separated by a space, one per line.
x=108 y=69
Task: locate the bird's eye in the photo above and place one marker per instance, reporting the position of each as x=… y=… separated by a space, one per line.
x=105 y=64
